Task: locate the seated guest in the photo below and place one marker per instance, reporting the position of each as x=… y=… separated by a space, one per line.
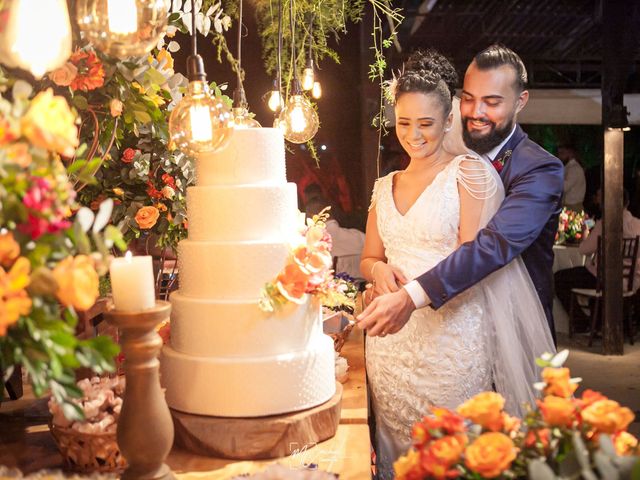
x=347 y=243
x=585 y=277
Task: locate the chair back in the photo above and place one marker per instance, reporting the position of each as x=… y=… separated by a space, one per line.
x=629 y=258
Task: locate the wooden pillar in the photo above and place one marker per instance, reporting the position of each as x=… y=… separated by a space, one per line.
x=619 y=48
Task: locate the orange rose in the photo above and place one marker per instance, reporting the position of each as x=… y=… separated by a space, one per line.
x=147 y=217
x=485 y=409
x=408 y=467
x=9 y=249
x=607 y=416
x=490 y=454
x=18 y=154
x=447 y=450
x=115 y=107
x=558 y=382
x=292 y=283
x=9 y=130
x=625 y=443
x=64 y=75
x=539 y=438
x=510 y=424
x=77 y=282
x=590 y=396
x=419 y=434
x=557 y=411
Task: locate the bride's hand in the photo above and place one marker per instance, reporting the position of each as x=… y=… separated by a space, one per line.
x=387 y=278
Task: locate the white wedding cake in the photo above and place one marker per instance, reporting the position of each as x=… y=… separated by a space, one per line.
x=226 y=356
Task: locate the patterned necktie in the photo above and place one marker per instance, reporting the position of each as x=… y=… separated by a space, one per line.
x=499 y=162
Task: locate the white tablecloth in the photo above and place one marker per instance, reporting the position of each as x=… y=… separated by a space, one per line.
x=564 y=257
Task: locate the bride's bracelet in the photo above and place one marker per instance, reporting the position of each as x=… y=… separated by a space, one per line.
x=373 y=269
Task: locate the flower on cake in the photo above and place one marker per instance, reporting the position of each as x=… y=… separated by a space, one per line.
x=573 y=437
x=307 y=271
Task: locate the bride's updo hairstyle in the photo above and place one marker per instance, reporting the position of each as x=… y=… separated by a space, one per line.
x=427 y=72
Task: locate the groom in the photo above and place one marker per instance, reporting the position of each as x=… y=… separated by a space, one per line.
x=525 y=224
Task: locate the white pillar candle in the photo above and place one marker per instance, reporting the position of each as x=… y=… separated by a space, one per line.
x=132 y=283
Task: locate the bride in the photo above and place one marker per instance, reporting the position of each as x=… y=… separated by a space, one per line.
x=480 y=339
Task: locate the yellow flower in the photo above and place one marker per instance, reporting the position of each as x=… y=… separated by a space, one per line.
x=558 y=382
x=557 y=411
x=147 y=217
x=50 y=124
x=607 y=416
x=14 y=300
x=485 y=409
x=138 y=87
x=77 y=282
x=490 y=454
x=164 y=55
x=18 y=154
x=625 y=443
x=9 y=249
x=118 y=191
x=406 y=465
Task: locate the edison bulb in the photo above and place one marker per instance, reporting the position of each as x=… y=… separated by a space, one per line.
x=200 y=123
x=36 y=36
x=275 y=102
x=298 y=120
x=308 y=78
x=242 y=119
x=316 y=91
x=123 y=28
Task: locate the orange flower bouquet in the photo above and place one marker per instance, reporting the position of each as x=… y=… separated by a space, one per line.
x=564 y=437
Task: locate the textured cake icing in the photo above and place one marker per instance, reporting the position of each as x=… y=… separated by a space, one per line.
x=227 y=357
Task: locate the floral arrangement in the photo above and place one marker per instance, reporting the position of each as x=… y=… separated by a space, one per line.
x=125 y=152
x=571 y=226
x=564 y=437
x=50 y=261
x=308 y=271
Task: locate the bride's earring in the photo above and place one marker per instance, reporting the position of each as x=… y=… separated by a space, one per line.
x=447 y=129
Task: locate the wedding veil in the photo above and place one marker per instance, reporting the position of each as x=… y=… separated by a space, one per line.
x=515 y=323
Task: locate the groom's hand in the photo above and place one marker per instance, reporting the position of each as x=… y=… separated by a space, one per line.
x=386 y=314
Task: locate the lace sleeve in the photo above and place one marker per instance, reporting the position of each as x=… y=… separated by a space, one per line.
x=374 y=193
x=477 y=177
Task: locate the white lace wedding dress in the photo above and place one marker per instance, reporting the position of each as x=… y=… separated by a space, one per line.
x=440 y=357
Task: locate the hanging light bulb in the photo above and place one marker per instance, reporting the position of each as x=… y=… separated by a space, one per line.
x=241 y=116
x=123 y=28
x=308 y=76
x=199 y=123
x=36 y=35
x=316 y=91
x=274 y=98
x=298 y=120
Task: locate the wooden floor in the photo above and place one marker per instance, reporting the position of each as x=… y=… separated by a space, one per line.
x=25 y=441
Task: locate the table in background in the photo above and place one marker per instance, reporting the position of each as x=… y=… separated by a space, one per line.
x=565 y=256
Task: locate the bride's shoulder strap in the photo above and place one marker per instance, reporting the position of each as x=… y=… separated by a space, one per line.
x=476 y=176
x=374 y=193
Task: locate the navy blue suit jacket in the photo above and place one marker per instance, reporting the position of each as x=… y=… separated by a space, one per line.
x=525 y=224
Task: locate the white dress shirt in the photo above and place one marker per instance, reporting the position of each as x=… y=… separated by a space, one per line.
x=575 y=183
x=414 y=289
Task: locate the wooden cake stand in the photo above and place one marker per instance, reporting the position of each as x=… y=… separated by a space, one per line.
x=258 y=438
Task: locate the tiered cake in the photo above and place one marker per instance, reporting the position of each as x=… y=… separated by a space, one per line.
x=226 y=357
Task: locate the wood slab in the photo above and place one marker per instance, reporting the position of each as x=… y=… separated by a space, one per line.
x=257 y=438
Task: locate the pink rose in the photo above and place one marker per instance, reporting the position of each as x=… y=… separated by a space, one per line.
x=64 y=75
x=116 y=107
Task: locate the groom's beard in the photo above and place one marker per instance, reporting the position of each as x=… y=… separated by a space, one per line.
x=482 y=144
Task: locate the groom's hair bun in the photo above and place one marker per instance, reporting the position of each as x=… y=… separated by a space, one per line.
x=428 y=71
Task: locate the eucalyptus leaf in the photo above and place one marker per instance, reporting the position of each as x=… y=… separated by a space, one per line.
x=605 y=466
x=606 y=446
x=539 y=470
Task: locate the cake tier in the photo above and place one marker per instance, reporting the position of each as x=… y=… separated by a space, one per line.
x=240 y=329
x=250 y=387
x=254 y=155
x=248 y=212
x=228 y=271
